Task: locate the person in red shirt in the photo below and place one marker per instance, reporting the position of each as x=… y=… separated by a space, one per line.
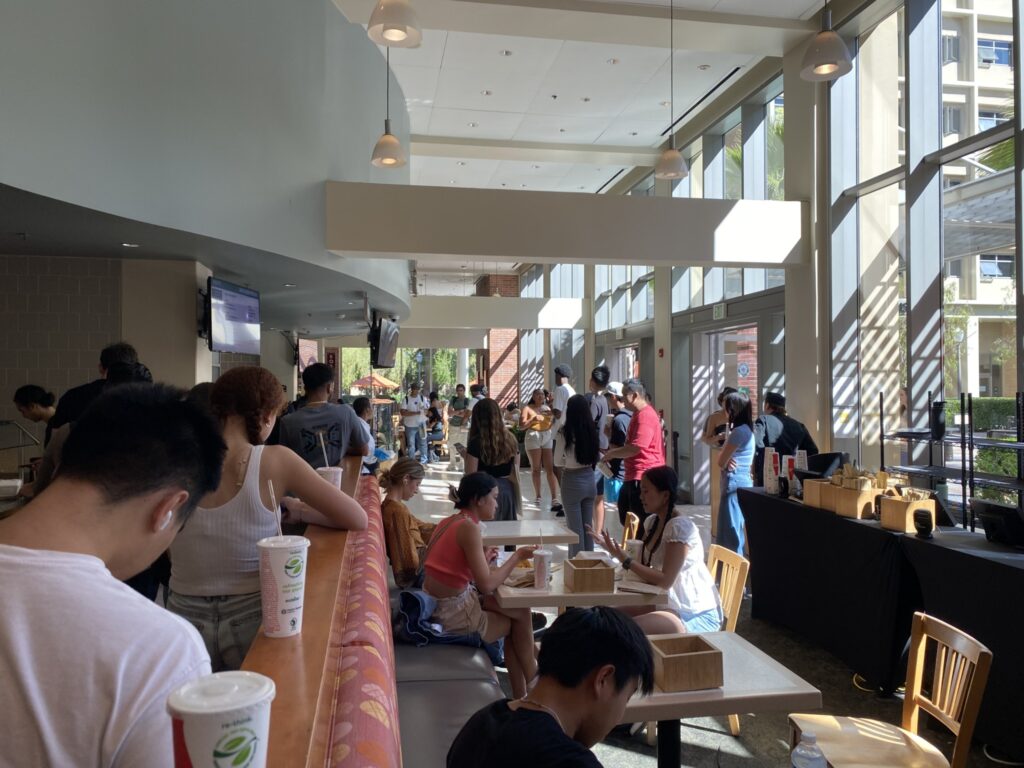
x=643 y=450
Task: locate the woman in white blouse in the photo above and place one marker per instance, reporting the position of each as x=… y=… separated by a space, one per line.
x=672 y=557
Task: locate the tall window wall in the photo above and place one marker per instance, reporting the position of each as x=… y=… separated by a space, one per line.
x=924 y=201
x=531 y=342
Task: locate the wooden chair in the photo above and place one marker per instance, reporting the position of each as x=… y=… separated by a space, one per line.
x=957 y=682
x=630 y=528
x=729 y=570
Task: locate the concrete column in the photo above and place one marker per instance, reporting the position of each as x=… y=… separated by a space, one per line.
x=589 y=337
x=547 y=374
x=159 y=316
x=970 y=358
x=462 y=367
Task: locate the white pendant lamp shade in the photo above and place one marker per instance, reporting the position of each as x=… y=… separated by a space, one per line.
x=671 y=165
x=826 y=57
x=393 y=23
x=388 y=153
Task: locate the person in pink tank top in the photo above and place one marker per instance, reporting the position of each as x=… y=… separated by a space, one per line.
x=459 y=575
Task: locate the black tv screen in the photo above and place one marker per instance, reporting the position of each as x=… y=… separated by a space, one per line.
x=383 y=343
x=234 y=318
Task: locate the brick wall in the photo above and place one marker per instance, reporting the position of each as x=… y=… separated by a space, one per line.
x=56 y=314
x=501 y=369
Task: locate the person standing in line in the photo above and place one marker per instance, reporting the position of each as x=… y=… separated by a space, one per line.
x=643 y=450
x=599 y=412
x=616 y=429
x=414 y=418
x=364 y=410
x=737 y=456
x=321 y=426
x=578 y=446
x=776 y=429
x=563 y=391
x=536 y=419
x=717 y=423
x=459 y=407
x=74 y=402
x=493 y=449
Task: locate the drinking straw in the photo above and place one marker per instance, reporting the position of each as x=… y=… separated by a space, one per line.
x=323 y=448
x=277 y=509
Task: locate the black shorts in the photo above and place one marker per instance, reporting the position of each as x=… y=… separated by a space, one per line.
x=600 y=483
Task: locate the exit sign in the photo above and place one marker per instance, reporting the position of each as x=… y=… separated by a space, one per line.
x=718 y=311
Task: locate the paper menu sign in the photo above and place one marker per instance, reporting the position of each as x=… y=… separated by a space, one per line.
x=801 y=459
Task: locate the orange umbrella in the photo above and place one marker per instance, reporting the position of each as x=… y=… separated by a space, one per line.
x=376 y=381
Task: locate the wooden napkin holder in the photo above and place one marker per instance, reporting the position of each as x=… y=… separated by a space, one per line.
x=686 y=663
x=582 y=575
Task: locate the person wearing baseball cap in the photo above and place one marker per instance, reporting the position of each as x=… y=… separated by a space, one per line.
x=775 y=428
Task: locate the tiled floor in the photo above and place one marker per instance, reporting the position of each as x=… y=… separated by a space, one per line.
x=706 y=741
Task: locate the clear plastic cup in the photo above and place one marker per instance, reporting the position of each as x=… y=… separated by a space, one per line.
x=331 y=474
x=282 y=583
x=222 y=719
x=541 y=568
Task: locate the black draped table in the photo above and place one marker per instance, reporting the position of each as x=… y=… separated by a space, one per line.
x=978 y=587
x=843 y=584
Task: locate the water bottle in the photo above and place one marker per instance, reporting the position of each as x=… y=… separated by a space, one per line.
x=806 y=754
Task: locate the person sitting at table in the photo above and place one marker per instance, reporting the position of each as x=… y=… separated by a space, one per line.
x=215 y=564
x=459 y=577
x=493 y=449
x=404 y=535
x=672 y=556
x=592 y=660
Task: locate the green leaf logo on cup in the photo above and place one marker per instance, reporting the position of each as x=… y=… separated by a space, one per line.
x=235 y=749
x=293 y=567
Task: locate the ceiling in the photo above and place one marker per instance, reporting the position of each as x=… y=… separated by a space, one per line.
x=783 y=9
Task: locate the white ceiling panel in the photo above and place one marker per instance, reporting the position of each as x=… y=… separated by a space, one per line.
x=419 y=84
x=429 y=54
x=548 y=128
x=633 y=133
x=483 y=90
x=524 y=182
x=592 y=62
x=471 y=50
x=536 y=170
x=590 y=177
x=472 y=124
x=780 y=9
x=580 y=96
x=419 y=119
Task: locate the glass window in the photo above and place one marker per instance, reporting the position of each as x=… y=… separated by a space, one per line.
x=714 y=285
x=619 y=301
x=990 y=119
x=681 y=288
x=995 y=52
x=733 y=282
x=996 y=265
x=620 y=275
x=774 y=278
x=733 y=140
x=978 y=88
x=775 y=160
x=880 y=94
x=644 y=188
x=566 y=281
x=753 y=280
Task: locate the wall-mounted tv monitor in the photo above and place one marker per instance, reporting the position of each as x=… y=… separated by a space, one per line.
x=383 y=342
x=234 y=318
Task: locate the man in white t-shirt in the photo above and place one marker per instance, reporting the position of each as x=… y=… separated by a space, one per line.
x=87 y=663
x=414 y=416
x=563 y=391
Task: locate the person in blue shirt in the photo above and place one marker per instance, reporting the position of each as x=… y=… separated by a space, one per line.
x=735 y=462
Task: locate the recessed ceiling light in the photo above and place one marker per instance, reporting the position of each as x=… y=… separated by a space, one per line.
x=461 y=163
x=613 y=61
x=703 y=67
x=129 y=245
x=485 y=92
x=633 y=133
x=665 y=103
x=472 y=125
x=561 y=130
x=581 y=187
x=585 y=99
x=451 y=181
x=523 y=186
x=536 y=167
x=289 y=285
x=505 y=52
x=504 y=184
x=463 y=266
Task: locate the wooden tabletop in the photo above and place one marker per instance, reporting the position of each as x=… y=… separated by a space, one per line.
x=296 y=664
x=556 y=596
x=498 y=532
x=754 y=682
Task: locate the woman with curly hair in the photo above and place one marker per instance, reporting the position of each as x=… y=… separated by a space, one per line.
x=493 y=449
x=215 y=580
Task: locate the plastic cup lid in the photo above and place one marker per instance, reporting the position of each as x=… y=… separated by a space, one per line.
x=286 y=542
x=221 y=692
x=542 y=552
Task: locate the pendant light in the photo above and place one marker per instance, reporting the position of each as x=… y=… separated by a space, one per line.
x=826 y=57
x=671 y=164
x=394 y=23
x=387 y=153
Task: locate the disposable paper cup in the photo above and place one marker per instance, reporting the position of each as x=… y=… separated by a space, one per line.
x=331 y=474
x=222 y=720
x=541 y=568
x=282 y=583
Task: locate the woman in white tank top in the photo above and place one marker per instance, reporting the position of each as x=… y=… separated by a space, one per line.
x=215 y=580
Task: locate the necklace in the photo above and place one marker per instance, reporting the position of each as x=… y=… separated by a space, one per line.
x=546 y=708
x=316 y=402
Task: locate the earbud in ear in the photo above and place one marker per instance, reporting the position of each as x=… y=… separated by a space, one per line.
x=166 y=519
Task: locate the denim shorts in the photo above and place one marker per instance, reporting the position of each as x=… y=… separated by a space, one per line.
x=706 y=621
x=228 y=624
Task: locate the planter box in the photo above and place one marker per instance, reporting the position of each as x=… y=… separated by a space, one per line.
x=686 y=663
x=583 y=575
x=855 y=503
x=898 y=515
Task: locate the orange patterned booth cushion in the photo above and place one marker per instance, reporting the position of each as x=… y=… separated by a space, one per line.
x=365 y=729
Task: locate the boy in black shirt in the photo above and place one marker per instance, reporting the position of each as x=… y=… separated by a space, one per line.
x=592 y=660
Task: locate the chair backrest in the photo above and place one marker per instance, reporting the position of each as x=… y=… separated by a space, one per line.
x=630 y=528
x=961 y=666
x=730 y=582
